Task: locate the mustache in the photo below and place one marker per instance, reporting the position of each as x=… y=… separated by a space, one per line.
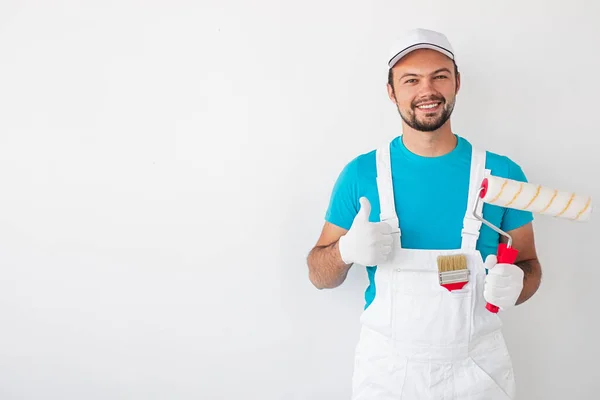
x=441 y=99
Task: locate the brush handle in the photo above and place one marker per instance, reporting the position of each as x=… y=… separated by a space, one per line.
x=506 y=255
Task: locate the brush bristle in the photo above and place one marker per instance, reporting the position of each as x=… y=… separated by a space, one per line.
x=454 y=262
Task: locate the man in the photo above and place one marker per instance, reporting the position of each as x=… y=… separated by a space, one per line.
x=395 y=210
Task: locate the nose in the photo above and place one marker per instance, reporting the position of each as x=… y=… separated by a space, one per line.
x=427 y=86
x=427 y=90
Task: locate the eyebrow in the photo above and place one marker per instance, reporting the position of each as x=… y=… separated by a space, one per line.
x=437 y=71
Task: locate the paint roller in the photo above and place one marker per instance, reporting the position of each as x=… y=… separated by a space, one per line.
x=528 y=197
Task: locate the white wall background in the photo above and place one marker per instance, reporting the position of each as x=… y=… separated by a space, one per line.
x=165 y=167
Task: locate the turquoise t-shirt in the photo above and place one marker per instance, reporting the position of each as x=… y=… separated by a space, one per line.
x=430 y=194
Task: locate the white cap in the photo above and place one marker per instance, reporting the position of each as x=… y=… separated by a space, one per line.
x=419 y=39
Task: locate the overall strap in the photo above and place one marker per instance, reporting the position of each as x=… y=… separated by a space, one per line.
x=471 y=225
x=385 y=188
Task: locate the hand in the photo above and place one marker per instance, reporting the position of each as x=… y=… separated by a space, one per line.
x=366 y=243
x=503 y=283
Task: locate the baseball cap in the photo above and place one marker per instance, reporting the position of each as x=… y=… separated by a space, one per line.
x=419 y=39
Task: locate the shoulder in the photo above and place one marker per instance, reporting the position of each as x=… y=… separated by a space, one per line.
x=364 y=165
x=503 y=166
x=358 y=167
x=499 y=164
x=355 y=180
x=354 y=174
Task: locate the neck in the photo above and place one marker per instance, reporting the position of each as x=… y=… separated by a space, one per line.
x=429 y=144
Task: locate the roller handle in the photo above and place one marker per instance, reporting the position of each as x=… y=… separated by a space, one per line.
x=506 y=255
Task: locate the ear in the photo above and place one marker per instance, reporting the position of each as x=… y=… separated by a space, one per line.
x=391 y=94
x=457 y=82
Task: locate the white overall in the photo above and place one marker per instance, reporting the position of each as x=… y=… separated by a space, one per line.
x=419 y=341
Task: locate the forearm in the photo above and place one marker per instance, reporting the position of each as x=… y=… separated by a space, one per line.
x=531 y=280
x=325 y=266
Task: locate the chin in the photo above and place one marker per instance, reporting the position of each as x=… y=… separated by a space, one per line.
x=430 y=127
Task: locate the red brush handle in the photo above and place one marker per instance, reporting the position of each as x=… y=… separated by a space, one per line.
x=506 y=255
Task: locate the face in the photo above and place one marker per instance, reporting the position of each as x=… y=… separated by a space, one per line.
x=424 y=90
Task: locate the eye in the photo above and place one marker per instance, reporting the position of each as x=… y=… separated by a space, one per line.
x=441 y=77
x=410 y=81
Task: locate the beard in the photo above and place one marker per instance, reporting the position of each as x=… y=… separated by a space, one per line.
x=428 y=122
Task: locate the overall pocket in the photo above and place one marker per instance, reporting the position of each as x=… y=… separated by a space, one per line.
x=494 y=370
x=425 y=313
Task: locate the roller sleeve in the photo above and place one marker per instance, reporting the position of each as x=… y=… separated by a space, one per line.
x=536 y=198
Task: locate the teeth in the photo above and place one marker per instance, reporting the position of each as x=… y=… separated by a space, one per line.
x=430 y=105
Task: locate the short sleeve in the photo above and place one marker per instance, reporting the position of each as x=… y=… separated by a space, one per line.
x=343 y=203
x=513 y=218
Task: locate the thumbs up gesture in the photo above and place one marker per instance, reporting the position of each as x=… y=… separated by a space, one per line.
x=366 y=243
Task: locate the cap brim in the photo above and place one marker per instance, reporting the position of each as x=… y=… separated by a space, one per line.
x=417 y=46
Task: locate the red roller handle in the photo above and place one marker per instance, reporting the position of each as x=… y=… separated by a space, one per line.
x=506 y=255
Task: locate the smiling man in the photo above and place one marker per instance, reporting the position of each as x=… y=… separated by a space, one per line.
x=395 y=210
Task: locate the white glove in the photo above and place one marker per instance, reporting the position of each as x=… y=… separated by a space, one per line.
x=366 y=243
x=503 y=283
